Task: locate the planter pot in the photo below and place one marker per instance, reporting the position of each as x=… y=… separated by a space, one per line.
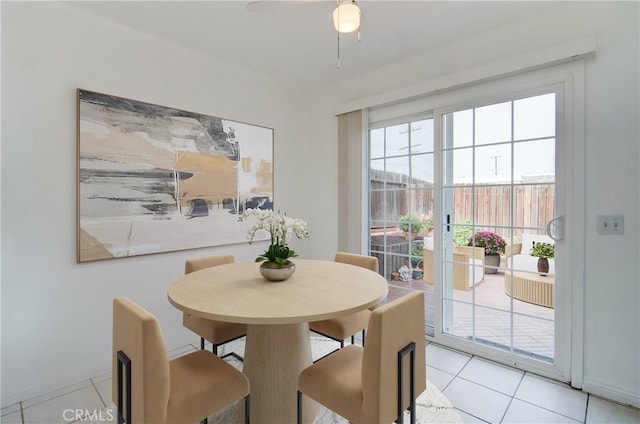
x=491 y=262
x=273 y=272
x=543 y=266
x=410 y=236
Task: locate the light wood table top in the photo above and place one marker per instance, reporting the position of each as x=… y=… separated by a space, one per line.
x=277 y=314
x=238 y=293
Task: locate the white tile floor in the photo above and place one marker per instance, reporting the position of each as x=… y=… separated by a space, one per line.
x=481 y=391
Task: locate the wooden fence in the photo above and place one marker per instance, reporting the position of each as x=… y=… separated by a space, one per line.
x=488 y=206
x=533 y=205
x=396 y=197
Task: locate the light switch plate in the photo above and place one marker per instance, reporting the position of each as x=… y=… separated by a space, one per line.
x=611 y=224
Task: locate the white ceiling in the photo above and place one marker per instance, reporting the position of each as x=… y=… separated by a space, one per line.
x=294 y=41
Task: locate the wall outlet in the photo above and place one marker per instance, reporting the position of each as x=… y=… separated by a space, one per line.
x=611 y=224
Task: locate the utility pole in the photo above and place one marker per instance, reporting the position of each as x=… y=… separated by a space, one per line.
x=495 y=164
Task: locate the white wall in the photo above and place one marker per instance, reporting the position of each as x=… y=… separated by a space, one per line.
x=56 y=314
x=611 y=283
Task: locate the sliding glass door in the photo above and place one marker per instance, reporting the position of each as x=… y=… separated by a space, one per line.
x=498 y=197
x=496 y=163
x=401 y=174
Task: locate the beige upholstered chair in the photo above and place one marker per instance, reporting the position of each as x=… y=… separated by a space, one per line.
x=361 y=383
x=343 y=327
x=216 y=332
x=148 y=388
x=468 y=266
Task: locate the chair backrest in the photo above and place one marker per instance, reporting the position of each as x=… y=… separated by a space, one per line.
x=427 y=265
x=462 y=255
x=471 y=252
x=192 y=265
x=137 y=333
x=368 y=262
x=392 y=327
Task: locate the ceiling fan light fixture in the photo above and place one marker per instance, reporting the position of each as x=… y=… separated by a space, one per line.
x=346 y=17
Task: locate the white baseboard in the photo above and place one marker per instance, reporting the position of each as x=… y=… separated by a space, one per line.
x=612 y=393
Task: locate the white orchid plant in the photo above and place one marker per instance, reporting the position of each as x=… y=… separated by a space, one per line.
x=281 y=228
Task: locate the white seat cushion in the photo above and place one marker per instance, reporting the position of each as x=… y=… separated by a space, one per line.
x=478 y=271
x=524 y=261
x=528 y=263
x=528 y=240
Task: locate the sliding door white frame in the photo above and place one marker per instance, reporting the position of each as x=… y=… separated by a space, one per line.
x=568 y=82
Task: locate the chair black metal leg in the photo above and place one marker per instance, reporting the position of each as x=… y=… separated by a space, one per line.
x=123 y=381
x=411 y=350
x=363 y=335
x=247 y=410
x=329 y=337
x=235 y=355
x=353 y=339
x=299 y=409
x=214 y=349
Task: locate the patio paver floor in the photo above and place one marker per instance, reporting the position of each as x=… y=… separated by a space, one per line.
x=533 y=333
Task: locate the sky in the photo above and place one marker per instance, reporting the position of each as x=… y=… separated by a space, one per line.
x=479 y=143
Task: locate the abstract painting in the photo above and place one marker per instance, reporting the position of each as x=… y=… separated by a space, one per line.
x=157 y=179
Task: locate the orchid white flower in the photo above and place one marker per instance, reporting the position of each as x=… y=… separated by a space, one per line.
x=281 y=228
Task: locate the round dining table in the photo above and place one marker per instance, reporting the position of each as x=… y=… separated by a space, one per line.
x=277 y=315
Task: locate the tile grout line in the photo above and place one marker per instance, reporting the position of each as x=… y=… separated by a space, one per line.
x=549 y=410
x=98 y=392
x=586 y=408
x=447 y=372
x=57 y=396
x=634 y=408
x=457 y=376
x=486 y=387
x=480 y=384
x=524 y=373
x=512 y=398
x=476 y=417
x=555 y=412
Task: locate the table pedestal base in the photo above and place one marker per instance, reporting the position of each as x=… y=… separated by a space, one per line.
x=274 y=356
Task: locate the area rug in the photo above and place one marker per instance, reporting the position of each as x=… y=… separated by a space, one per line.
x=431 y=406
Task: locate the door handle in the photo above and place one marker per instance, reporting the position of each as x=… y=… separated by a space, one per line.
x=555 y=228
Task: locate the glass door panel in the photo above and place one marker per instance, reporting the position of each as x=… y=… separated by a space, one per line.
x=401 y=172
x=498 y=177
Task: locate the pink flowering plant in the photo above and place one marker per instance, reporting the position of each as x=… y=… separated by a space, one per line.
x=281 y=228
x=493 y=244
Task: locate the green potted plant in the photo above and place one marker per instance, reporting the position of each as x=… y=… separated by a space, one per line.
x=415 y=255
x=493 y=244
x=411 y=224
x=427 y=224
x=543 y=251
x=462 y=232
